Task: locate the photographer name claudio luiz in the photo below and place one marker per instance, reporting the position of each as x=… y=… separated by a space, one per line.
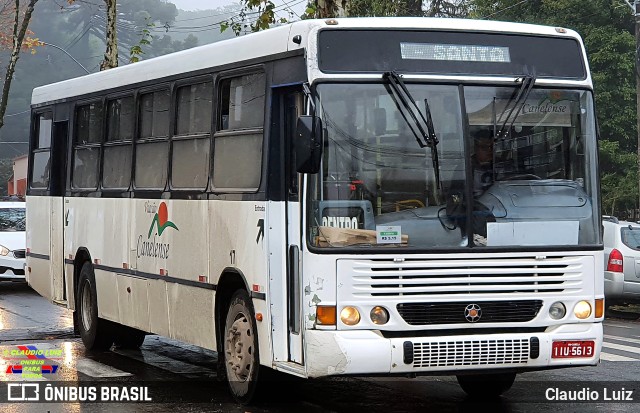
x=586 y=394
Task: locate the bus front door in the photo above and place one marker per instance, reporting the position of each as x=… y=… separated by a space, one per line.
x=293 y=107
x=58 y=208
x=284 y=234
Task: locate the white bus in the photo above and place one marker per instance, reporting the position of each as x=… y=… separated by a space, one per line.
x=372 y=196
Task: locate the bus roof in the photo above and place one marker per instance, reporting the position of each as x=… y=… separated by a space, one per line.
x=269 y=42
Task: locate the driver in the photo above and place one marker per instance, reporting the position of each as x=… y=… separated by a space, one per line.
x=482 y=162
x=482 y=168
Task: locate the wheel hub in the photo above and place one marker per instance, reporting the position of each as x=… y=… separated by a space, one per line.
x=239 y=347
x=86 y=306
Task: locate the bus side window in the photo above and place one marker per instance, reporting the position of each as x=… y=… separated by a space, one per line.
x=190 y=155
x=152 y=146
x=237 y=155
x=116 y=172
x=42 y=152
x=87 y=145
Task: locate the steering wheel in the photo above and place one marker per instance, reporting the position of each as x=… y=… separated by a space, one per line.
x=522 y=176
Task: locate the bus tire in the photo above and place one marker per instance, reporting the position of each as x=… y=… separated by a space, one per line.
x=240 y=342
x=95 y=332
x=486 y=385
x=128 y=337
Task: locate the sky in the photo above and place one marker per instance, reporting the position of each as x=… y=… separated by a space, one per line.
x=200 y=4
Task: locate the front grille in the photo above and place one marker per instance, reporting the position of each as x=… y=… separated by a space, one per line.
x=470 y=353
x=454 y=313
x=19 y=253
x=3 y=270
x=487 y=277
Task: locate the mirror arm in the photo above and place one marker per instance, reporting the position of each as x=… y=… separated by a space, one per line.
x=307 y=92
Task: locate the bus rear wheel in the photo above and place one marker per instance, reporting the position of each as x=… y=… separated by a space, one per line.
x=241 y=348
x=95 y=332
x=486 y=385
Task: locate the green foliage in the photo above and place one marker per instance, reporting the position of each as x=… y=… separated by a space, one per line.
x=361 y=8
x=145 y=40
x=259 y=15
x=618 y=180
x=262 y=16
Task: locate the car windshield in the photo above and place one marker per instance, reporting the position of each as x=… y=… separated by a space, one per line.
x=631 y=237
x=12 y=219
x=496 y=177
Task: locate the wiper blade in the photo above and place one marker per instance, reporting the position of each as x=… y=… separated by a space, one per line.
x=528 y=81
x=409 y=109
x=421 y=124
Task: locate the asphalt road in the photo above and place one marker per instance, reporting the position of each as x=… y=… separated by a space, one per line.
x=180 y=377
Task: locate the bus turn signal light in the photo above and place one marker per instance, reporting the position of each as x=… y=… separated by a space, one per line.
x=326 y=315
x=599 y=307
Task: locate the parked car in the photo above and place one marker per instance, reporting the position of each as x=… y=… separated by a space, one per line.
x=622 y=261
x=12 y=240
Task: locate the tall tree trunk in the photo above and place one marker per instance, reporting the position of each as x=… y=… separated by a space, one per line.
x=111 y=55
x=413 y=8
x=18 y=37
x=331 y=8
x=613 y=207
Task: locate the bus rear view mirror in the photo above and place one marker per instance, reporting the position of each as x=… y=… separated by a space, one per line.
x=308 y=144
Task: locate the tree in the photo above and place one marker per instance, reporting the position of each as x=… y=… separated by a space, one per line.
x=619 y=180
x=444 y=8
x=6 y=172
x=111 y=54
x=17 y=43
x=264 y=10
x=79 y=28
x=607 y=29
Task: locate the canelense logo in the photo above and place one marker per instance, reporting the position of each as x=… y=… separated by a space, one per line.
x=161 y=220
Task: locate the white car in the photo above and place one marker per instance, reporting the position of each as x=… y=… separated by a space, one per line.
x=622 y=261
x=12 y=240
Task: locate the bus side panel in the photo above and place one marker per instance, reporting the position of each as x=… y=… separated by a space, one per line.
x=56 y=244
x=238 y=241
x=169 y=242
x=191 y=315
x=158 y=307
x=133 y=308
x=99 y=226
x=38 y=274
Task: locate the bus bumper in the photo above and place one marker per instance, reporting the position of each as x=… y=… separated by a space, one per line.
x=368 y=352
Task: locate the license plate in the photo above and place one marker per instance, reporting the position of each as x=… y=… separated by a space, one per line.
x=572 y=349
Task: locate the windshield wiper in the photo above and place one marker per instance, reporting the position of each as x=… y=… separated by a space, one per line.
x=528 y=81
x=421 y=124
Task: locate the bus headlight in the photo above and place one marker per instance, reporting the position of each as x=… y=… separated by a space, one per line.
x=557 y=310
x=350 y=316
x=4 y=251
x=582 y=310
x=379 y=315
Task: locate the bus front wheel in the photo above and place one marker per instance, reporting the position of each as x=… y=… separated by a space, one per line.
x=95 y=332
x=241 y=348
x=486 y=385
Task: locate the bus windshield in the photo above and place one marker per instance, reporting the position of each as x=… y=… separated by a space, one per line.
x=511 y=171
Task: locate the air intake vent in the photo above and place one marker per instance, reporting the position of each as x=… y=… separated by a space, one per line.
x=471 y=353
x=458 y=312
x=489 y=277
